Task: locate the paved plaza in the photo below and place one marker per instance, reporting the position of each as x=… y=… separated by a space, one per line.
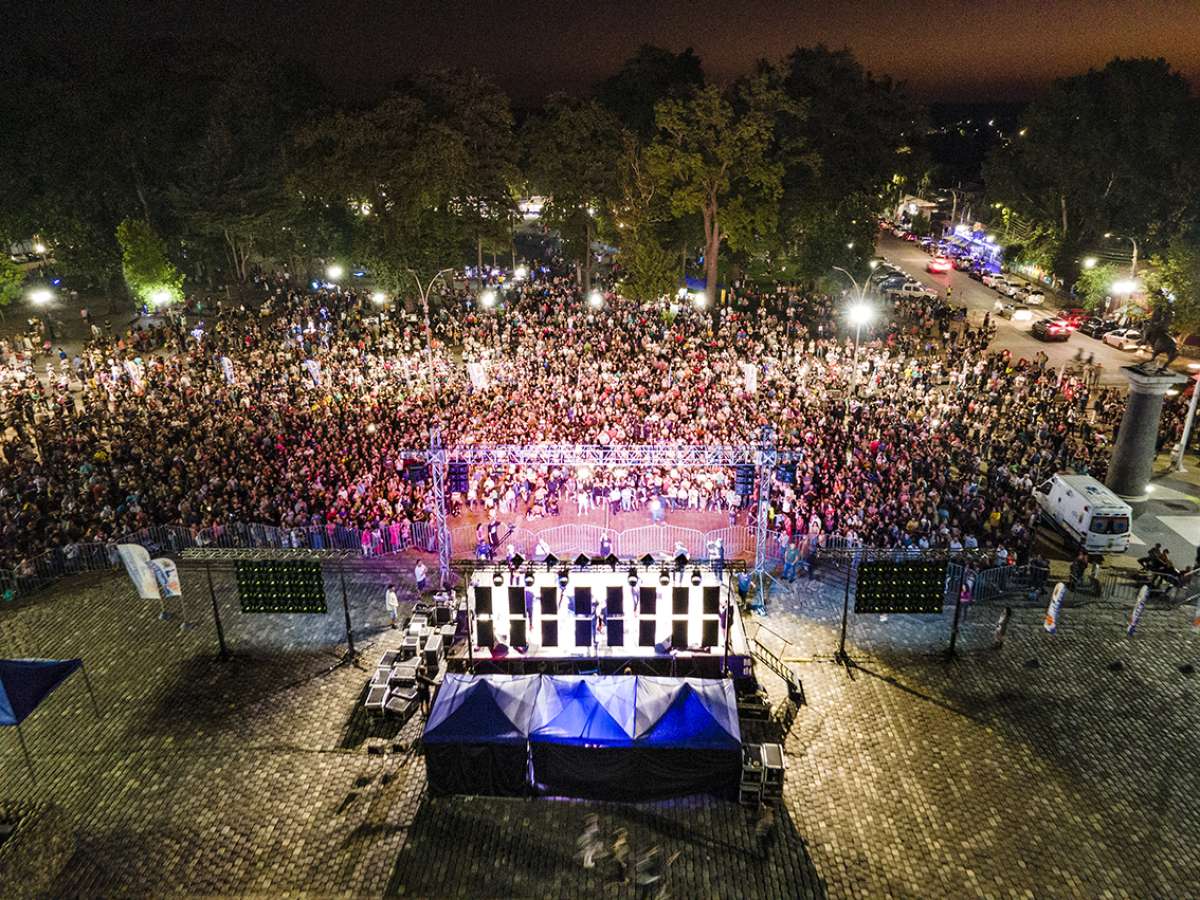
x=1043 y=769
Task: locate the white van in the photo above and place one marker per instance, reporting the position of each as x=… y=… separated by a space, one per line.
x=1087 y=511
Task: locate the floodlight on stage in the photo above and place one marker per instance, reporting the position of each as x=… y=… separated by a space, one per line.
x=529 y=579
x=551 y=561
x=633 y=577
x=664 y=577
x=696 y=578
x=517 y=561
x=647 y=560
x=497 y=578
x=582 y=561
x=563 y=577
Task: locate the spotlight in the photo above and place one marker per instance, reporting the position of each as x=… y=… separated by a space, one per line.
x=551 y=562
x=632 y=577
x=696 y=577
x=497 y=578
x=563 y=577
x=529 y=579
x=664 y=577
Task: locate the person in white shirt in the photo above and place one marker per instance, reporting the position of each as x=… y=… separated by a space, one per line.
x=419 y=572
x=392 y=601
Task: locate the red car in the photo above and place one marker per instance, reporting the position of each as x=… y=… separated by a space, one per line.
x=939 y=264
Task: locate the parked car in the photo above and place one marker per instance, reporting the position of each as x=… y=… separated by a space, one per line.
x=938 y=264
x=1030 y=296
x=990 y=278
x=976 y=273
x=1051 y=330
x=1011 y=310
x=914 y=289
x=1097 y=328
x=964 y=263
x=1124 y=339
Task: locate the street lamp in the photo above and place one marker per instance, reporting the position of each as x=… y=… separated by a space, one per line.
x=519 y=272
x=334 y=272
x=379 y=297
x=424 y=292
x=161 y=297
x=1133 y=260
x=1089 y=262
x=488 y=299
x=858 y=314
x=41 y=296
x=1124 y=286
x=595 y=299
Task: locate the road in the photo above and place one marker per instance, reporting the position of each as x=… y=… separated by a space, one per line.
x=1012 y=336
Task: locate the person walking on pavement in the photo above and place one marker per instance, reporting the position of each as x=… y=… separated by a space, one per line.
x=419 y=573
x=392 y=601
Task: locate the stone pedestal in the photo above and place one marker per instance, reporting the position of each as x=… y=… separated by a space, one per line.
x=1132 y=461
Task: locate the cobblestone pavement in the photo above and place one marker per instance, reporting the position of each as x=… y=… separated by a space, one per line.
x=908 y=776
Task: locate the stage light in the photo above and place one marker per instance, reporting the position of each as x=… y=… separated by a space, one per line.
x=334 y=272
x=379 y=297
x=551 y=562
x=529 y=579
x=563 y=577
x=632 y=577
x=664 y=577
x=497 y=578
x=595 y=299
x=41 y=295
x=488 y=299
x=696 y=578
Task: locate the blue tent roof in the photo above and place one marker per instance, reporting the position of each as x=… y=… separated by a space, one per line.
x=692 y=713
x=492 y=709
x=24 y=683
x=593 y=710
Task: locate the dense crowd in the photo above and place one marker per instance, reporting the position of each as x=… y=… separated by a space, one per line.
x=298 y=411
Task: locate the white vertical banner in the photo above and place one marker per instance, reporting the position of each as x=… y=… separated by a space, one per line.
x=478 y=374
x=227 y=369
x=1056 y=599
x=137 y=564
x=167 y=575
x=314 y=369
x=1138 y=609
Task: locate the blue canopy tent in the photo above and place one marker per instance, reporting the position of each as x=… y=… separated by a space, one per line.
x=476 y=735
x=25 y=683
x=634 y=738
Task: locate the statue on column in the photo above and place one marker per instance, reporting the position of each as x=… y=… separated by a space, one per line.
x=1159 y=340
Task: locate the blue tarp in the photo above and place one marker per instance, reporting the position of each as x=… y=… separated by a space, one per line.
x=492 y=709
x=24 y=683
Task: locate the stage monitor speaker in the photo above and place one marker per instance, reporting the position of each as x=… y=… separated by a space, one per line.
x=483 y=600
x=647 y=601
x=679 y=601
x=583 y=601
x=615 y=629
x=679 y=633
x=549 y=632
x=712 y=600
x=614 y=600
x=583 y=632
x=516 y=601
x=646 y=628
x=442 y=614
x=516 y=632
x=486 y=634
x=549 y=601
x=710 y=633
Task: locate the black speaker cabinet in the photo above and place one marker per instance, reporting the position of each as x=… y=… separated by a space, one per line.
x=679 y=601
x=483 y=600
x=516 y=632
x=486 y=633
x=646 y=633
x=648 y=602
x=615 y=629
x=583 y=601
x=712 y=600
x=614 y=600
x=549 y=632
x=679 y=634
x=583 y=632
x=549 y=601
x=516 y=601
x=710 y=632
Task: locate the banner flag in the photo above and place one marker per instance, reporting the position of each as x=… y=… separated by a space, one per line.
x=750 y=374
x=137 y=564
x=314 y=369
x=1056 y=599
x=227 y=368
x=166 y=573
x=1138 y=609
x=479 y=376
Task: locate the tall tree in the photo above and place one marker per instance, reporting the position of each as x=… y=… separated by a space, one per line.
x=649 y=268
x=1177 y=278
x=714 y=154
x=652 y=74
x=572 y=152
x=151 y=277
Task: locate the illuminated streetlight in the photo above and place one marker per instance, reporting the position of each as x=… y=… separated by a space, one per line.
x=595 y=299
x=520 y=272
x=334 y=272
x=379 y=297
x=1089 y=262
x=161 y=297
x=39 y=248
x=488 y=299
x=41 y=296
x=1124 y=286
x=873 y=264
x=699 y=299
x=860 y=314
x=850 y=246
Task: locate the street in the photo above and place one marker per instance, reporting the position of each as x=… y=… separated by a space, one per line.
x=1013 y=336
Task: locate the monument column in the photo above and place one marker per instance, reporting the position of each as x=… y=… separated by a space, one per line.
x=1132 y=461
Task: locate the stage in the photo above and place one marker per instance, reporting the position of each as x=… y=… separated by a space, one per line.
x=600 y=623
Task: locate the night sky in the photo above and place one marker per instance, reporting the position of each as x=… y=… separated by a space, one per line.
x=982 y=50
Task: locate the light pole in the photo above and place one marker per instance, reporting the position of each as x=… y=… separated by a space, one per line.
x=425 y=291
x=1133 y=261
x=858 y=314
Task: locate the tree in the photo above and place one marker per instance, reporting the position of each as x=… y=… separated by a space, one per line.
x=714 y=156
x=573 y=152
x=652 y=74
x=649 y=269
x=151 y=277
x=1112 y=150
x=12 y=280
x=1178 y=280
x=1094 y=286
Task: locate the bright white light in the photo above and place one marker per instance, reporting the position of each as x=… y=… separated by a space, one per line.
x=699 y=299
x=991 y=239
x=161 y=297
x=1090 y=262
x=39 y=247
x=860 y=314
x=1108 y=234
x=874 y=264
x=41 y=295
x=379 y=297
x=591 y=210
x=520 y=272
x=488 y=299
x=334 y=272
x=595 y=299
x=850 y=246
x=681 y=293
x=1171 y=392
x=1125 y=286
x=1022 y=315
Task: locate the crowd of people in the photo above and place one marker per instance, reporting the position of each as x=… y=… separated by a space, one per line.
x=297 y=409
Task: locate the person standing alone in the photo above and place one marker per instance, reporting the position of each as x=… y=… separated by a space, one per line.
x=392 y=601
